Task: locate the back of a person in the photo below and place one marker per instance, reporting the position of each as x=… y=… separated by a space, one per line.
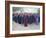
x=37 y=18
x=25 y=20
x=30 y=18
x=15 y=17
x=19 y=18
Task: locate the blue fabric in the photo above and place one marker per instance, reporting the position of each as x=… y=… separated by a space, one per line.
x=15 y=18
x=37 y=19
x=19 y=19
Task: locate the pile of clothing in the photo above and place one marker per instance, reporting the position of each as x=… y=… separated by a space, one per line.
x=26 y=18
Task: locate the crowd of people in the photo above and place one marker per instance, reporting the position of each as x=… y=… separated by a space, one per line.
x=26 y=18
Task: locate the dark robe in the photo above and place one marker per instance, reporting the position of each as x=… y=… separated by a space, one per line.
x=25 y=21
x=37 y=19
x=15 y=18
x=30 y=19
x=22 y=19
x=19 y=19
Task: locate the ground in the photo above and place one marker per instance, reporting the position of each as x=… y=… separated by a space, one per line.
x=18 y=27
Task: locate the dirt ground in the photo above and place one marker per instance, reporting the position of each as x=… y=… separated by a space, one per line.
x=17 y=26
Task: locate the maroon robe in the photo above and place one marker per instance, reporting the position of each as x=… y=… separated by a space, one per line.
x=25 y=21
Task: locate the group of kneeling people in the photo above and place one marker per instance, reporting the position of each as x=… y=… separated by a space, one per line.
x=26 y=18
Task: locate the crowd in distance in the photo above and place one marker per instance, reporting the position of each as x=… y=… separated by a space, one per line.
x=26 y=18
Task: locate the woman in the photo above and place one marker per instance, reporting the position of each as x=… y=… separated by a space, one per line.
x=15 y=17
x=37 y=18
x=30 y=18
x=25 y=20
x=19 y=18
